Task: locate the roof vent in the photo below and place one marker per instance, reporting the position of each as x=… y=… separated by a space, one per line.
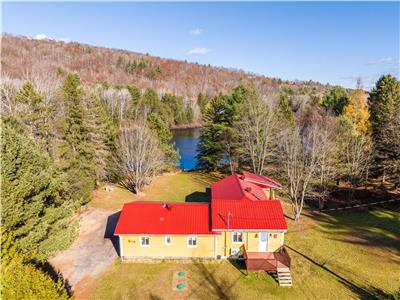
x=248 y=189
x=241 y=177
x=165 y=205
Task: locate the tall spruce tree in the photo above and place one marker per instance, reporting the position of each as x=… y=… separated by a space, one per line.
x=385 y=117
x=33 y=202
x=285 y=109
x=135 y=94
x=217 y=145
x=164 y=135
x=34 y=113
x=77 y=156
x=102 y=138
x=211 y=148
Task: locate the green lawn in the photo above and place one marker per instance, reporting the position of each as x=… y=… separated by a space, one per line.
x=177 y=187
x=338 y=256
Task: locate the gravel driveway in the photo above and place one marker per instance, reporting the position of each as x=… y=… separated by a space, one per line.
x=91 y=254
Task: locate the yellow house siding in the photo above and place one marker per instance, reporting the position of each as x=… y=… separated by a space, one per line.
x=231 y=245
x=207 y=246
x=268 y=192
x=250 y=241
x=157 y=248
x=274 y=241
x=221 y=244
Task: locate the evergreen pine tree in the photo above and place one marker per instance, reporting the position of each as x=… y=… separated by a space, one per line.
x=286 y=109
x=202 y=101
x=336 y=99
x=217 y=145
x=385 y=118
x=32 y=195
x=78 y=154
x=102 y=138
x=135 y=94
x=211 y=147
x=35 y=114
x=164 y=135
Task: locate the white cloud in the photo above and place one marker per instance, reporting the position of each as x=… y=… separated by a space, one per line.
x=196 y=31
x=199 y=51
x=40 y=36
x=385 y=60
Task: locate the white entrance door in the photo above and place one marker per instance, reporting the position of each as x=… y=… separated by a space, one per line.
x=263 y=242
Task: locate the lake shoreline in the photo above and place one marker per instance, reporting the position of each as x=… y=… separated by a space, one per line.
x=186 y=141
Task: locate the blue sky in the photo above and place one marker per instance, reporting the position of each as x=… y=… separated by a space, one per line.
x=323 y=41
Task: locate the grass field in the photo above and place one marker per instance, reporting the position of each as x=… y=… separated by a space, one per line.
x=176 y=187
x=348 y=255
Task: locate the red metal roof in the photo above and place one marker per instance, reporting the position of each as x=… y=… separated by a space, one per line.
x=237 y=187
x=247 y=214
x=246 y=204
x=238 y=202
x=261 y=180
x=153 y=218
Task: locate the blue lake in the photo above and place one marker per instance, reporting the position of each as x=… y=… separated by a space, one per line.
x=186 y=141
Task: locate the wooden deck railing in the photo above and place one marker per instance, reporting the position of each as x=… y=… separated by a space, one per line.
x=266 y=261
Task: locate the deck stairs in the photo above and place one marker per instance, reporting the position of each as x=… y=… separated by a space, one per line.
x=284 y=277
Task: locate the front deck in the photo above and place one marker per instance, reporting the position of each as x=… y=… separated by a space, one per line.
x=267 y=261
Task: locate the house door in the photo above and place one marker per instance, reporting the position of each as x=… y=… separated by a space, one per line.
x=263 y=242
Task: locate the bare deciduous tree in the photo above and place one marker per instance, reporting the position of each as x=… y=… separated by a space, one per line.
x=255 y=131
x=117 y=100
x=8 y=88
x=356 y=158
x=301 y=151
x=141 y=156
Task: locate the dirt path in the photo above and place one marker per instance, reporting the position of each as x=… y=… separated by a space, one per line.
x=91 y=254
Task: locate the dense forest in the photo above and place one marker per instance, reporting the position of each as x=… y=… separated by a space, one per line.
x=351 y=137
x=74 y=116
x=25 y=58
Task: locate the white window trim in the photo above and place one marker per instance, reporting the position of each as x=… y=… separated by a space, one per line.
x=140 y=241
x=233 y=233
x=192 y=237
x=170 y=240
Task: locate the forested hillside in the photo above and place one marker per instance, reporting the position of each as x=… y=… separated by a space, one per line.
x=24 y=58
x=74 y=116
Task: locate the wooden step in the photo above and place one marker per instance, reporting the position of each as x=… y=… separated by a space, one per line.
x=284 y=277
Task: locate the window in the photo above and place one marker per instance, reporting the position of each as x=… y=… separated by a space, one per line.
x=275 y=236
x=192 y=241
x=263 y=237
x=144 y=241
x=168 y=240
x=237 y=237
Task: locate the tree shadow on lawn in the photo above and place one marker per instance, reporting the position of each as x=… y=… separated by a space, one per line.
x=221 y=288
x=204 y=177
x=199 y=196
x=380 y=229
x=362 y=292
x=341 y=196
x=373 y=293
x=112 y=221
